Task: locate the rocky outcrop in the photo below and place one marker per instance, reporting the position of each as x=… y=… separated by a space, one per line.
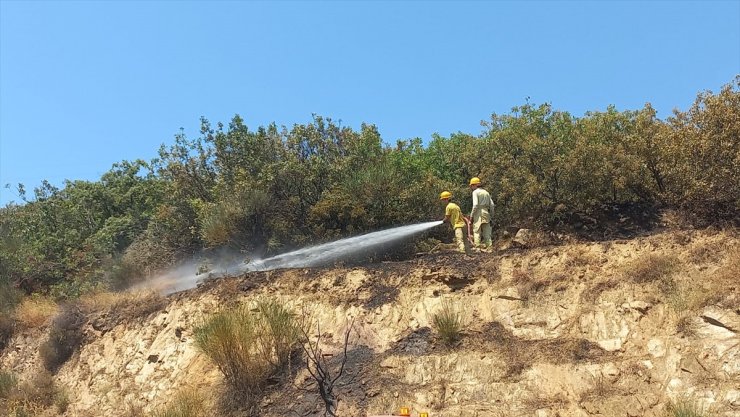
x=549 y=331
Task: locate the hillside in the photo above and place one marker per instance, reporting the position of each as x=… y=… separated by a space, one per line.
x=611 y=328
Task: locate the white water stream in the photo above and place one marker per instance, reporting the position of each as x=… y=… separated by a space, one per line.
x=325 y=254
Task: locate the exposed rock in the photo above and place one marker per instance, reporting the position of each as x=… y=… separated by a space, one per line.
x=523 y=238
x=560 y=352
x=656 y=348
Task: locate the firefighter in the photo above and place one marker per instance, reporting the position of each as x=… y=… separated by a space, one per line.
x=481 y=214
x=454 y=216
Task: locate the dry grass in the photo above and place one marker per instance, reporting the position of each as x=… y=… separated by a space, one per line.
x=128 y=304
x=541 y=401
x=7 y=329
x=388 y=403
x=186 y=403
x=61 y=400
x=8 y=381
x=704 y=253
x=133 y=409
x=593 y=292
x=33 y=396
x=686 y=325
x=529 y=285
x=685 y=408
x=35 y=311
x=726 y=289
x=683 y=296
x=599 y=390
x=579 y=256
x=651 y=268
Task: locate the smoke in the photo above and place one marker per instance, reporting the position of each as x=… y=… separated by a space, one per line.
x=188 y=275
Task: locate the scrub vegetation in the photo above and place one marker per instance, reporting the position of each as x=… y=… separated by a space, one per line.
x=250 y=347
x=274 y=188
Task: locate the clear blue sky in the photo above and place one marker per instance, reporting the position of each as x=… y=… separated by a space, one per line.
x=86 y=84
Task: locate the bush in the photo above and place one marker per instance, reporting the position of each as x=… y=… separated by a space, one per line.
x=249 y=347
x=65 y=336
x=701 y=157
x=9 y=297
x=123 y=274
x=281 y=333
x=448 y=323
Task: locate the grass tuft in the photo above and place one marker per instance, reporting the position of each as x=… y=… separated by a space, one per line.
x=448 y=323
x=651 y=268
x=35 y=311
x=685 y=408
x=187 y=403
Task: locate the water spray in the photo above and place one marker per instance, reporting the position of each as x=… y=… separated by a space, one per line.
x=312 y=256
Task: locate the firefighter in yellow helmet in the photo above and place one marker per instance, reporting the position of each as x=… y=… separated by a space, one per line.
x=481 y=214
x=454 y=216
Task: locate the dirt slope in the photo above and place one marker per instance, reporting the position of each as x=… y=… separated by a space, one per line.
x=614 y=328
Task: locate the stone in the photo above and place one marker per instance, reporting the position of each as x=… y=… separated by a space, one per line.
x=656 y=348
x=610 y=370
x=523 y=238
x=733 y=397
x=611 y=345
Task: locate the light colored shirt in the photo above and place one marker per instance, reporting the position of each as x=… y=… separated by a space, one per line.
x=481 y=202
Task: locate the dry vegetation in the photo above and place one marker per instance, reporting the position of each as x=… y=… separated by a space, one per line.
x=685 y=408
x=65 y=336
x=32 y=396
x=186 y=403
x=530 y=285
x=35 y=311
x=651 y=268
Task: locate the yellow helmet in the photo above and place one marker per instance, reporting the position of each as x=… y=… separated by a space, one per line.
x=445 y=195
x=475 y=181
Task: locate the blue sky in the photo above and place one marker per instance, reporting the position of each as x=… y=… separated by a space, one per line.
x=87 y=84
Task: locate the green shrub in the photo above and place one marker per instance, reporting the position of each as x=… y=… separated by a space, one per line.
x=281 y=333
x=249 y=346
x=65 y=336
x=448 y=323
x=9 y=297
x=701 y=154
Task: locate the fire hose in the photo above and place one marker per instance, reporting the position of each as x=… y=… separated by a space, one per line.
x=469 y=222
